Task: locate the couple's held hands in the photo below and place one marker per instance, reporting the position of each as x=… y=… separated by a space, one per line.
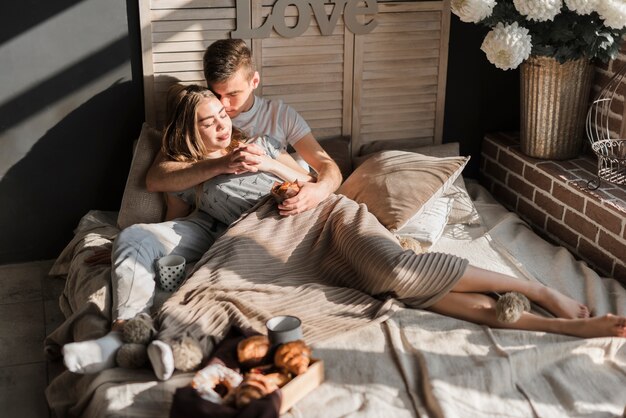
x=247 y=158
x=309 y=196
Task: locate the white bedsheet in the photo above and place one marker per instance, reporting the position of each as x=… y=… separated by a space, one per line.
x=419 y=363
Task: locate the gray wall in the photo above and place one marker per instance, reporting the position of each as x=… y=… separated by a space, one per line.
x=71 y=106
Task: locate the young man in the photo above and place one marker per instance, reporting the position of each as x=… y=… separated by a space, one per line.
x=230 y=74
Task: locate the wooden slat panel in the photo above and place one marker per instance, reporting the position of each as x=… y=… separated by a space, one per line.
x=304 y=88
x=325 y=123
x=185 y=75
x=372 y=107
x=324 y=105
x=190 y=4
x=321 y=133
x=168 y=67
x=411 y=90
x=422 y=136
x=320 y=114
x=393 y=76
x=302 y=69
x=178 y=56
x=374 y=46
x=212 y=35
x=297 y=51
x=404 y=72
x=387 y=65
x=381 y=118
x=311 y=97
x=413 y=53
x=309 y=59
x=192 y=46
x=193 y=14
x=412 y=125
x=193 y=25
x=395 y=18
x=299 y=79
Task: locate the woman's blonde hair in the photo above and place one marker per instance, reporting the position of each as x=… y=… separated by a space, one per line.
x=181 y=139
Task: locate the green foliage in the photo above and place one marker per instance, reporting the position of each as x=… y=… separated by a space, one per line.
x=569 y=36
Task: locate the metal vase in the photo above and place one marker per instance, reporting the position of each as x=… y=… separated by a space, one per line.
x=554 y=101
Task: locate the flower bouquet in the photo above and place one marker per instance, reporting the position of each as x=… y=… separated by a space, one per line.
x=562 y=29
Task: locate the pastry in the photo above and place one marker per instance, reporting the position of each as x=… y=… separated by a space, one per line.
x=207 y=381
x=293 y=357
x=284 y=190
x=254 y=386
x=253 y=350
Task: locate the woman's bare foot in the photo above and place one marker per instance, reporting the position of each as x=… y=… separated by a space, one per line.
x=601 y=326
x=560 y=305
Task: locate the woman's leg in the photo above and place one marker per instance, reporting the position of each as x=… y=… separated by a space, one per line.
x=135 y=251
x=480 y=309
x=477 y=280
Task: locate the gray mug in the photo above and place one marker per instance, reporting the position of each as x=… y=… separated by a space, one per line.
x=283 y=329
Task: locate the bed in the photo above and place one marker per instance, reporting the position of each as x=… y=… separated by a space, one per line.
x=382 y=356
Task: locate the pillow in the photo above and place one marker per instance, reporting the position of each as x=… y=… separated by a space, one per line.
x=138 y=204
x=397 y=185
x=428 y=227
x=450 y=149
x=463 y=209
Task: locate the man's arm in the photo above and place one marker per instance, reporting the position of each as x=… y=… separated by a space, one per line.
x=174 y=176
x=328 y=177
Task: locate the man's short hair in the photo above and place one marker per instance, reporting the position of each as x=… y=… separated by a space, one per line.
x=223 y=58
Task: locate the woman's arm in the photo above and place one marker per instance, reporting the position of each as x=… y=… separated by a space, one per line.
x=176 y=208
x=285 y=168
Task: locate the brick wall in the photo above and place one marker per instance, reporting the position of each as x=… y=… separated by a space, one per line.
x=552 y=196
x=603 y=74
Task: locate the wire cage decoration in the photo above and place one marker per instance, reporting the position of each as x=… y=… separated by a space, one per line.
x=611 y=152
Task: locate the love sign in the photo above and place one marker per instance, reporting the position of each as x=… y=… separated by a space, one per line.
x=276 y=19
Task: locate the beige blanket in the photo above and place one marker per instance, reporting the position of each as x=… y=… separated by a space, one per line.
x=335 y=267
x=416 y=363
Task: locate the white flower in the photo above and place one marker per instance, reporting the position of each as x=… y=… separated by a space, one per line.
x=539 y=10
x=507 y=46
x=613 y=12
x=472 y=11
x=582 y=7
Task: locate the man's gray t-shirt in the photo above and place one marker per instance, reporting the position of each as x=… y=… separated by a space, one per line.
x=227 y=196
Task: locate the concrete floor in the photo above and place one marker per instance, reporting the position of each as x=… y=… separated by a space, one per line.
x=29 y=310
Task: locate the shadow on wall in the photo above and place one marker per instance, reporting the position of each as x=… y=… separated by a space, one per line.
x=78 y=165
x=82 y=160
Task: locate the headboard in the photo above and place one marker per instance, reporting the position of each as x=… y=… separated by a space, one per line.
x=368 y=70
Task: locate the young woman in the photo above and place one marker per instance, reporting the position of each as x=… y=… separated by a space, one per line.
x=198 y=129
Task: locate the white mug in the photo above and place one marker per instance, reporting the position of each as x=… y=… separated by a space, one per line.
x=171 y=272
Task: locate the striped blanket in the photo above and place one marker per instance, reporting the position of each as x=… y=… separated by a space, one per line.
x=335 y=267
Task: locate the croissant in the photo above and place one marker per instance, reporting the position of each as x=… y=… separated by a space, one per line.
x=253 y=350
x=254 y=386
x=284 y=190
x=293 y=357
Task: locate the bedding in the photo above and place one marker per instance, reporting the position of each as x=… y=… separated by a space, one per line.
x=408 y=362
x=386 y=183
